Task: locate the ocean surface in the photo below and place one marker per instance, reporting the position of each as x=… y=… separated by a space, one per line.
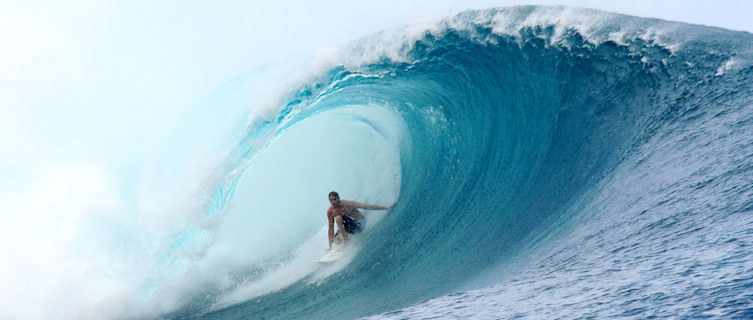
x=544 y=163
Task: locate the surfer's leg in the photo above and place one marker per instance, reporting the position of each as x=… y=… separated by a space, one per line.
x=350 y=224
x=338 y=239
x=340 y=235
x=353 y=225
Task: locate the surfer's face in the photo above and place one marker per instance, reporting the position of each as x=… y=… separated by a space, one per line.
x=334 y=200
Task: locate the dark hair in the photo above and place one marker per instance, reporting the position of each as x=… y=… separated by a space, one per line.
x=333 y=193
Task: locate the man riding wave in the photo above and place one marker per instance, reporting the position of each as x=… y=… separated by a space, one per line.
x=347 y=216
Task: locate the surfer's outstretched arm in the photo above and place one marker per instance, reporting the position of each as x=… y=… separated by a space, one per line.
x=371 y=206
x=366 y=206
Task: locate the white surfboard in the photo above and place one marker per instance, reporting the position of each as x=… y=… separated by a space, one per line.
x=331 y=255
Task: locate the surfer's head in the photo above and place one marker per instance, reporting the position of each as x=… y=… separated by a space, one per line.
x=334 y=198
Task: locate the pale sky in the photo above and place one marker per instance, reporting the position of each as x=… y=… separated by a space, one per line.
x=190 y=47
x=80 y=70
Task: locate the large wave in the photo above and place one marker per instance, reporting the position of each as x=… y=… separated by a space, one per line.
x=527 y=149
x=506 y=124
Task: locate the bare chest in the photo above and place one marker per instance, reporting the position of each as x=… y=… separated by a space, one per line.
x=341 y=211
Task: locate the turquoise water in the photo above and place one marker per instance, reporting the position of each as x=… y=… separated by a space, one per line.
x=545 y=163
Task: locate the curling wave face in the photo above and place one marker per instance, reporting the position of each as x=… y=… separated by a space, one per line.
x=513 y=126
x=529 y=150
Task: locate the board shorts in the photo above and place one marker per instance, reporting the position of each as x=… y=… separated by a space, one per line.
x=352 y=225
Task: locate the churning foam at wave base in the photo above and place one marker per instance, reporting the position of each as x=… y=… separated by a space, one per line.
x=80 y=240
x=89 y=211
x=84 y=228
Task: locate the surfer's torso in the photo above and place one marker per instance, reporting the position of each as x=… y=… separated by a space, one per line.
x=346 y=208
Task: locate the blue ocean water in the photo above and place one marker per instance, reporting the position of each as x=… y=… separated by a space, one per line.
x=545 y=162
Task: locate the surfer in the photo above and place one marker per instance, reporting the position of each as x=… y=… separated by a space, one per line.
x=347 y=216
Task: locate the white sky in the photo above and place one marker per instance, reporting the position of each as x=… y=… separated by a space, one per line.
x=190 y=47
x=76 y=71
